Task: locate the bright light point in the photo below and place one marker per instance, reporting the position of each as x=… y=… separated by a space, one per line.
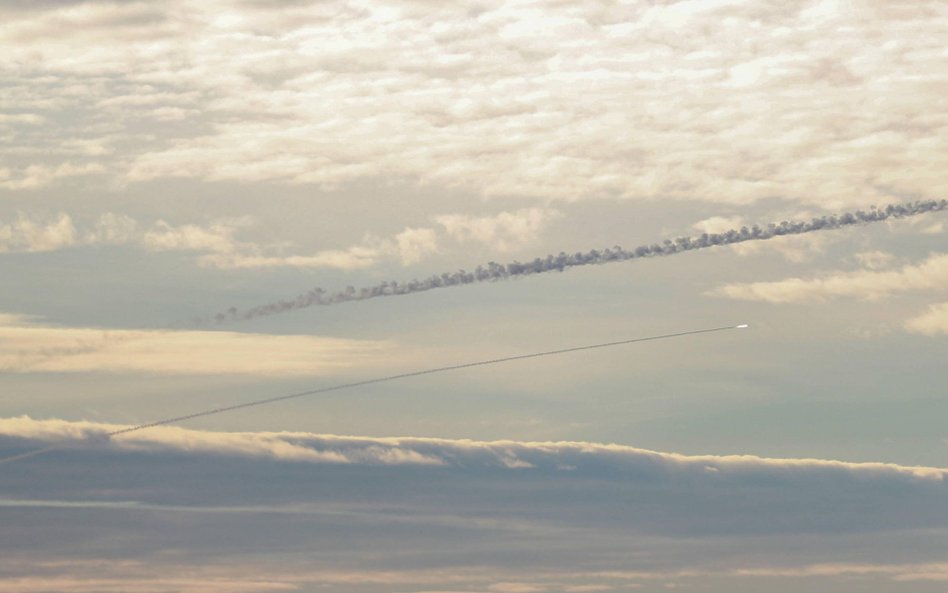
x=741 y=326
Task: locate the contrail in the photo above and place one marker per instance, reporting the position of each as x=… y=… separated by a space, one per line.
x=493 y=272
x=454 y=367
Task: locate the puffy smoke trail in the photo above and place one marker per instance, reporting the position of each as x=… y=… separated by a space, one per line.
x=493 y=271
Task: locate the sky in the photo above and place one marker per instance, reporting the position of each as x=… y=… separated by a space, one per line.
x=188 y=190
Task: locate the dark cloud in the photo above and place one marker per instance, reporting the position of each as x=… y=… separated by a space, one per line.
x=437 y=514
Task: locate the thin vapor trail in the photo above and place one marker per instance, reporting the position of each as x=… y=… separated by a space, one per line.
x=454 y=367
x=493 y=272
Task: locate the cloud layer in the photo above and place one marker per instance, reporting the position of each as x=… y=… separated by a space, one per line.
x=869 y=284
x=447 y=514
x=547 y=458
x=932 y=322
x=820 y=101
x=27 y=346
x=216 y=243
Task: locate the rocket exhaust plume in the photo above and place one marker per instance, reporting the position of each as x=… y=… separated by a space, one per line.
x=493 y=272
x=454 y=367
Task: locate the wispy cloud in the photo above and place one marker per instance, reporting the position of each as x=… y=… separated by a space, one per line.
x=502 y=232
x=96 y=576
x=28 y=235
x=932 y=322
x=29 y=346
x=217 y=243
x=868 y=284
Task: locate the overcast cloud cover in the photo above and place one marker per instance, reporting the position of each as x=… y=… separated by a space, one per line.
x=826 y=102
x=166 y=164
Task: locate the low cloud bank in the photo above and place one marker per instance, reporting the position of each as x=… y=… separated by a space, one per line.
x=563 y=483
x=546 y=457
x=448 y=514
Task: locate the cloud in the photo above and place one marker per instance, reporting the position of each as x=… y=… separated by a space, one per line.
x=935 y=571
x=445 y=514
x=719 y=224
x=35 y=233
x=217 y=245
x=36 y=176
x=505 y=231
x=31 y=236
x=549 y=458
x=875 y=260
x=414 y=244
x=96 y=576
x=353 y=258
x=218 y=237
x=112 y=229
x=29 y=347
x=823 y=102
x=925 y=224
x=794 y=248
x=869 y=284
x=932 y=322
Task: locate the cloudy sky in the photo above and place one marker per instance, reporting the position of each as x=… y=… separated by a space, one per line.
x=188 y=189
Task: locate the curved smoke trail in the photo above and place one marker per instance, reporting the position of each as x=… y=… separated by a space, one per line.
x=493 y=271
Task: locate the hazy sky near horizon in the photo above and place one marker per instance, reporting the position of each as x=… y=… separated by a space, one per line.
x=162 y=162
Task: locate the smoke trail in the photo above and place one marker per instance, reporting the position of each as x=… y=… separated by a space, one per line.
x=493 y=271
x=454 y=367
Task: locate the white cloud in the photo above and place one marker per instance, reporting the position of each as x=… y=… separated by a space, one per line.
x=793 y=248
x=218 y=237
x=827 y=103
x=932 y=322
x=931 y=274
x=414 y=244
x=719 y=224
x=26 y=346
x=33 y=234
x=37 y=176
x=515 y=456
x=505 y=231
x=217 y=245
x=344 y=259
x=875 y=260
x=29 y=235
x=926 y=224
